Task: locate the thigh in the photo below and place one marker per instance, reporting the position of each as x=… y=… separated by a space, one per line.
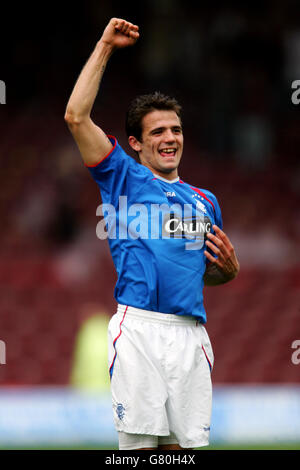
x=190 y=388
x=137 y=387
x=167 y=440
x=136 y=441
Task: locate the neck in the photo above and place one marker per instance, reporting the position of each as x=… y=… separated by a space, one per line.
x=169 y=175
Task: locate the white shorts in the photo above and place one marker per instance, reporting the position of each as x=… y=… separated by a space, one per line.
x=141 y=441
x=160 y=366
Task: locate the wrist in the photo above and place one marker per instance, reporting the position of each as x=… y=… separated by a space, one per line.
x=105 y=48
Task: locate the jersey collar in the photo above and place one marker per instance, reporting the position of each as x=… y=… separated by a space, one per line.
x=165 y=180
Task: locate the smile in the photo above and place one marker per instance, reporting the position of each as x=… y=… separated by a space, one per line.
x=168 y=152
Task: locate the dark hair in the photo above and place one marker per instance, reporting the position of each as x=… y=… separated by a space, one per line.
x=143 y=105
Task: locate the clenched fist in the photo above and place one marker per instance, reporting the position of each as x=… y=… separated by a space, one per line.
x=120 y=33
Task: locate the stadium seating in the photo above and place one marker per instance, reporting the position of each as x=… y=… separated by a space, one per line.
x=49 y=275
x=252 y=323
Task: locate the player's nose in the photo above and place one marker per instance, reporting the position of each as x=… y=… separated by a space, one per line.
x=169 y=136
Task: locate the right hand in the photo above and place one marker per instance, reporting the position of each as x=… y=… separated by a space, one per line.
x=120 y=33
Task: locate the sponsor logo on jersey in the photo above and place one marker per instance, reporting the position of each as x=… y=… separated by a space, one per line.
x=191 y=228
x=154 y=221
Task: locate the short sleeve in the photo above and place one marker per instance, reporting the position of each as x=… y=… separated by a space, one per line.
x=110 y=173
x=218 y=219
x=218 y=214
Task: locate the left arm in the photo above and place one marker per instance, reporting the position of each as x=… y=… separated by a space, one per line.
x=225 y=267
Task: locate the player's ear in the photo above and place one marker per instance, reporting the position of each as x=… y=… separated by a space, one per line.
x=134 y=143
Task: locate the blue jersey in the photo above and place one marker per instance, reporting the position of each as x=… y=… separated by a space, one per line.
x=156 y=232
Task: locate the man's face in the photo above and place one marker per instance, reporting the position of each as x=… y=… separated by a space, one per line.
x=161 y=143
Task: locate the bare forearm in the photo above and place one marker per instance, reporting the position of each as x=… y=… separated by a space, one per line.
x=91 y=140
x=86 y=88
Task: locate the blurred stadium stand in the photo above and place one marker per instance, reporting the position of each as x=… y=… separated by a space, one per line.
x=242 y=141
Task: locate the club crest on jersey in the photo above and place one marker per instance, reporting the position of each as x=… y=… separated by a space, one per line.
x=120 y=411
x=199 y=204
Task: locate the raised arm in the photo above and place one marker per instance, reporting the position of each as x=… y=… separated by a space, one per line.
x=91 y=140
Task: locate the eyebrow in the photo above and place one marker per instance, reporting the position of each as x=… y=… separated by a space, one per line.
x=177 y=127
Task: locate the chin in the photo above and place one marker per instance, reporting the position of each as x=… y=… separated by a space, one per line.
x=168 y=170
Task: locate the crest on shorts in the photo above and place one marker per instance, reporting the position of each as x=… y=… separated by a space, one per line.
x=120 y=411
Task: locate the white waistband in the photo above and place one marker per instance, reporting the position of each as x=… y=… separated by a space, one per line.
x=150 y=315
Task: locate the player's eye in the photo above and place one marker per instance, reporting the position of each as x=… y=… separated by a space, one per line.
x=156 y=132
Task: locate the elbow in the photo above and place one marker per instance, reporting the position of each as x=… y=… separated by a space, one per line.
x=72 y=118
